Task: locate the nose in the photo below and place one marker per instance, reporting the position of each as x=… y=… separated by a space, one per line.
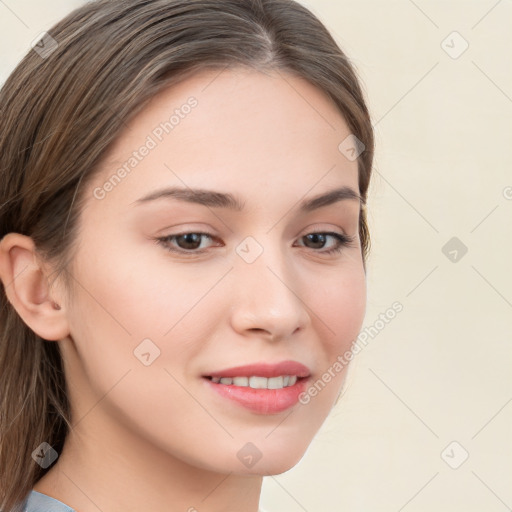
x=267 y=300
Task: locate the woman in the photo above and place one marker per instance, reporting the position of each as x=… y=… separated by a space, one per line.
x=183 y=248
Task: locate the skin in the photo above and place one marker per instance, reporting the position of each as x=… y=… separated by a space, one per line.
x=156 y=437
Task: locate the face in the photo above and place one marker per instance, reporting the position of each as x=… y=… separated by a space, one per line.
x=171 y=290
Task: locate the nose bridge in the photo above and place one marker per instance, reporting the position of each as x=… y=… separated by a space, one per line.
x=267 y=296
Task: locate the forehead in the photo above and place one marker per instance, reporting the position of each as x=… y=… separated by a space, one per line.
x=235 y=129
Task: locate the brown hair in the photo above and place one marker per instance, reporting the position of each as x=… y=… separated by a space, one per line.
x=62 y=110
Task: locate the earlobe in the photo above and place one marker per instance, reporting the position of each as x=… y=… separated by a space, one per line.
x=27 y=288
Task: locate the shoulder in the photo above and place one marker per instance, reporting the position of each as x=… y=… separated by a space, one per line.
x=39 y=502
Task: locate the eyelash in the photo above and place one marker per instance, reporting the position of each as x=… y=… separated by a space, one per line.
x=343 y=241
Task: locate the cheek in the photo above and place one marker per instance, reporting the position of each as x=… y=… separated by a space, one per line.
x=127 y=299
x=340 y=303
x=129 y=292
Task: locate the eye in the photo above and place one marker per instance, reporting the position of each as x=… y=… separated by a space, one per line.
x=341 y=241
x=190 y=242
x=187 y=242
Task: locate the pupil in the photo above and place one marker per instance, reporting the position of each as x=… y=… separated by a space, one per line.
x=317 y=236
x=189 y=239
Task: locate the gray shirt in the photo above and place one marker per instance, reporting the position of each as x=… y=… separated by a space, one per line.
x=38 y=502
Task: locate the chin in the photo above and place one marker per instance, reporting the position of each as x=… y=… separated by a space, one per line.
x=274 y=467
x=275 y=462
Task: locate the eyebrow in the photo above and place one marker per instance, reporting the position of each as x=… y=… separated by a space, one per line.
x=215 y=199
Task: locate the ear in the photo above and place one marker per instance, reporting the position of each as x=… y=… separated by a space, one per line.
x=25 y=279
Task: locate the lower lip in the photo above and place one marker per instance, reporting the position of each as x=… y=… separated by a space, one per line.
x=262 y=401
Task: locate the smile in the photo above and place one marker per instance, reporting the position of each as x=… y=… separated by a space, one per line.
x=257 y=382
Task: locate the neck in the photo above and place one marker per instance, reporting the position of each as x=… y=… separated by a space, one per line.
x=104 y=466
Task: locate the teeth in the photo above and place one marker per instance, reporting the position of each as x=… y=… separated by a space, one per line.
x=275 y=383
x=241 y=381
x=256 y=382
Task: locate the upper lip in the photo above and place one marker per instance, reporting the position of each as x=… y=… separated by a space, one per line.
x=264 y=370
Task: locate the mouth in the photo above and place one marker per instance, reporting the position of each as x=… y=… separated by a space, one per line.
x=262 y=388
x=257 y=382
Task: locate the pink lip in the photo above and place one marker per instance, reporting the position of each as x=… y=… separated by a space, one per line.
x=263 y=401
x=264 y=370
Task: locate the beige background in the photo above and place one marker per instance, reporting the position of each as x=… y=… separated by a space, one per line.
x=440 y=370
